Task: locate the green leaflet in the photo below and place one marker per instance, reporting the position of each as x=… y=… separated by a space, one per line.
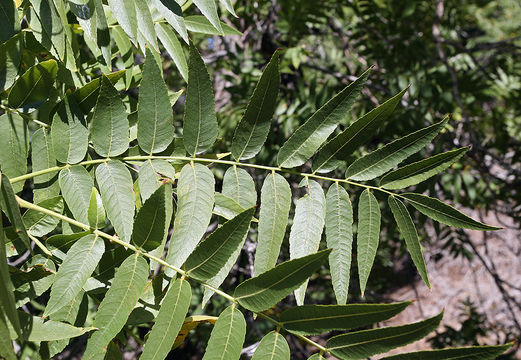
x=42 y=157
x=388 y=156
x=195 y=199
x=227 y=336
x=226 y=207
x=339 y=148
x=36 y=329
x=316 y=356
x=39 y=224
x=64 y=242
x=10 y=58
x=96 y=211
x=145 y=23
x=446 y=214
x=339 y=237
x=273 y=346
x=76 y=186
x=229 y=6
x=200 y=24
x=103 y=34
x=70 y=137
x=149 y=226
x=173 y=46
x=213 y=253
x=209 y=10
x=7 y=299
x=9 y=24
x=125 y=48
x=273 y=219
x=115 y=185
x=252 y=131
x=6 y=345
x=47 y=28
x=368 y=235
x=200 y=123
x=310 y=135
x=68 y=313
x=33 y=284
x=126 y=288
x=465 y=353
x=155 y=124
x=318 y=319
x=218 y=279
x=81 y=260
x=10 y=207
x=14 y=147
x=417 y=172
x=239 y=186
x=365 y=343
x=125 y=13
x=32 y=88
x=169 y=320
x=87 y=95
x=173 y=14
x=109 y=125
x=308 y=224
x=150 y=174
x=406 y=226
x=265 y=290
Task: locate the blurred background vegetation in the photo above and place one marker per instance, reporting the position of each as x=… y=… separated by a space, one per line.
x=459 y=58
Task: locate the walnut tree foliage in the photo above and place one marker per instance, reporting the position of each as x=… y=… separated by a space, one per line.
x=93 y=243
